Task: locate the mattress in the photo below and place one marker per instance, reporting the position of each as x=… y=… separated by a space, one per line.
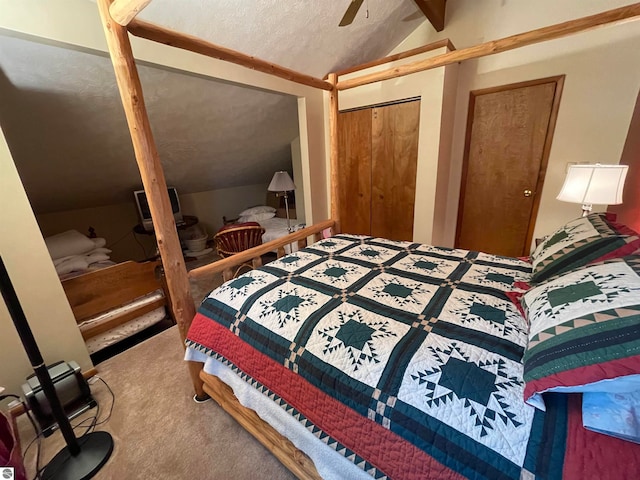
x=330 y=464
x=116 y=334
x=277 y=228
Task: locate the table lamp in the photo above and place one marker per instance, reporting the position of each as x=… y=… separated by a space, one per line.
x=281 y=182
x=596 y=183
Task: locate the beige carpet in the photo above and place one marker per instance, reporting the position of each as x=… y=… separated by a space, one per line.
x=159 y=431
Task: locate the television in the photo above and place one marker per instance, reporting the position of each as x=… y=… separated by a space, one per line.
x=145 y=214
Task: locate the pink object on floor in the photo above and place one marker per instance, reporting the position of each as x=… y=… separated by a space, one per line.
x=9 y=454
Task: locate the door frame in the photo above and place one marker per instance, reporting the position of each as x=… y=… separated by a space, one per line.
x=559 y=81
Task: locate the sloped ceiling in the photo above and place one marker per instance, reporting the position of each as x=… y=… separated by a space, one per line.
x=65 y=126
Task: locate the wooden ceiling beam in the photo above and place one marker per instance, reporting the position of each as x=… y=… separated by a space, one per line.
x=434 y=10
x=194 y=44
x=123 y=11
x=609 y=17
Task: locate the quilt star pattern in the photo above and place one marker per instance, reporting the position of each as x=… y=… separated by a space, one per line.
x=586 y=291
x=573 y=232
x=422 y=343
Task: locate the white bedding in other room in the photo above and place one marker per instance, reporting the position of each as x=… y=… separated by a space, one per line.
x=123 y=331
x=277 y=228
x=330 y=464
x=89 y=268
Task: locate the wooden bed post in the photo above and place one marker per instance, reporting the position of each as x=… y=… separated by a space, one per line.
x=123 y=11
x=333 y=132
x=153 y=179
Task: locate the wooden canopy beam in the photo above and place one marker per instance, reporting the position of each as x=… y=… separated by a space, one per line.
x=434 y=10
x=334 y=150
x=398 y=56
x=153 y=179
x=194 y=44
x=123 y=11
x=609 y=17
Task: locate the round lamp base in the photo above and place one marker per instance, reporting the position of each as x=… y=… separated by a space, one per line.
x=95 y=450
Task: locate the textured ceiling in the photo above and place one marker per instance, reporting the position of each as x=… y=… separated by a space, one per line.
x=64 y=123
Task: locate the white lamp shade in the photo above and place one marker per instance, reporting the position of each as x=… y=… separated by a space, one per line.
x=594 y=184
x=281 y=182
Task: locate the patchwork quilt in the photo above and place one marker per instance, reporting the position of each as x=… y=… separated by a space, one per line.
x=405 y=358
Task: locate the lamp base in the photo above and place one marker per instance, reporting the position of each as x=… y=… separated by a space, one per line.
x=95 y=450
x=286 y=205
x=586 y=209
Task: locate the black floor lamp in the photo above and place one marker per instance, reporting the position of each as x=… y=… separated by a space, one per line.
x=81 y=458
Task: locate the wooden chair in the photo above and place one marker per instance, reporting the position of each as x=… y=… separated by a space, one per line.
x=235 y=238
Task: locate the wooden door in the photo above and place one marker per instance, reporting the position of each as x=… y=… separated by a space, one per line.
x=509 y=135
x=354 y=160
x=394 y=160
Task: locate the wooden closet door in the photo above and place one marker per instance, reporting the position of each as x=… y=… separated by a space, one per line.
x=354 y=159
x=394 y=153
x=509 y=135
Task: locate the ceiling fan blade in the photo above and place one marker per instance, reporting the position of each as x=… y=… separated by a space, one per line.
x=351 y=12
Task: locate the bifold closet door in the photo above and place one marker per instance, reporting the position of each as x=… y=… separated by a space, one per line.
x=394 y=160
x=354 y=154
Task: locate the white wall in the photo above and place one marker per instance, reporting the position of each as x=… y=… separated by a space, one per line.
x=602 y=69
x=210 y=206
x=36 y=283
x=296 y=161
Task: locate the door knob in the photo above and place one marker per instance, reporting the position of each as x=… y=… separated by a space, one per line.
x=527 y=193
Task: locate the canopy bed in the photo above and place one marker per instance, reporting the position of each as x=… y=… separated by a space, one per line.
x=382 y=428
x=403 y=360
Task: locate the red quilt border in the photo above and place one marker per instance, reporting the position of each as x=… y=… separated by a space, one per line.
x=377 y=444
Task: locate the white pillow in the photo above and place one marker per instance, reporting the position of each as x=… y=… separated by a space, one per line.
x=75 y=263
x=96 y=257
x=69 y=243
x=99 y=242
x=256 y=217
x=99 y=250
x=257 y=209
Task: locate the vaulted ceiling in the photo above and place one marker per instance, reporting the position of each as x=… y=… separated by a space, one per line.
x=64 y=123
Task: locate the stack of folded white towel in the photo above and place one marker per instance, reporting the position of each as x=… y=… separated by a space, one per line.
x=72 y=251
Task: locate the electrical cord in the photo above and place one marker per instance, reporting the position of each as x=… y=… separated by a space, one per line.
x=113 y=402
x=39 y=437
x=9 y=395
x=144 y=251
x=112 y=244
x=94 y=418
x=94 y=422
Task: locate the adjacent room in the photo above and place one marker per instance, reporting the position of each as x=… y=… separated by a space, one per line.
x=369 y=239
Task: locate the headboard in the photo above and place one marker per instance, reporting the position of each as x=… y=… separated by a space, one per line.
x=100 y=291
